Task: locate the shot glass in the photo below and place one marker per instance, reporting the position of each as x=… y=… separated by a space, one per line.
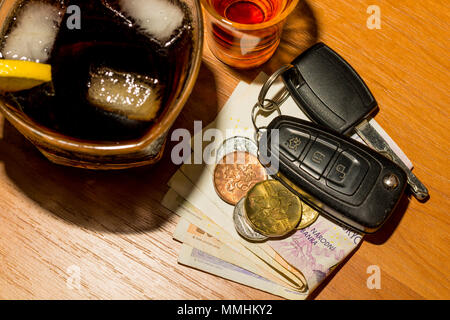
x=245 y=33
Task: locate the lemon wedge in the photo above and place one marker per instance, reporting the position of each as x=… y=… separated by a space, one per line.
x=17 y=75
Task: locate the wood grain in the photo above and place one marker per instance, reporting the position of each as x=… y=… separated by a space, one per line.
x=112 y=226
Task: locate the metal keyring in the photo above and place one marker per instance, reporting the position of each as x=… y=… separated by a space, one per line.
x=269 y=105
x=283 y=95
x=256 y=108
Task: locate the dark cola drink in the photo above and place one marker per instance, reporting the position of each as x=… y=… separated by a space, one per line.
x=114 y=64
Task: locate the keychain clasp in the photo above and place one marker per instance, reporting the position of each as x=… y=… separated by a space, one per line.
x=269 y=105
x=279 y=98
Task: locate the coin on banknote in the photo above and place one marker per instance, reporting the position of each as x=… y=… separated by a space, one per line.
x=236 y=143
x=309 y=216
x=241 y=225
x=271 y=209
x=235 y=174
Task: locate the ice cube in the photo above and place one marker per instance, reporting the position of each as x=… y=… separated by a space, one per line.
x=34 y=33
x=159 y=18
x=134 y=96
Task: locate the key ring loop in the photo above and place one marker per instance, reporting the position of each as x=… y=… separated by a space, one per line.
x=275 y=103
x=255 y=110
x=269 y=105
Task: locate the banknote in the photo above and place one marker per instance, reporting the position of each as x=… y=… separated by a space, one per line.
x=190 y=195
x=200 y=260
x=314 y=251
x=186 y=210
x=303 y=259
x=317 y=249
x=192 y=235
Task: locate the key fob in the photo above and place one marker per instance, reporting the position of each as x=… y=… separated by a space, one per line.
x=328 y=90
x=333 y=173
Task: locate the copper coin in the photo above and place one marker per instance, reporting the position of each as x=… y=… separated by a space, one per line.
x=235 y=174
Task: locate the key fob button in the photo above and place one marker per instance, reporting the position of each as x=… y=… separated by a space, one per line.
x=318 y=157
x=347 y=172
x=293 y=142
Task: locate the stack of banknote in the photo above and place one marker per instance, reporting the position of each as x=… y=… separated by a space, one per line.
x=291 y=267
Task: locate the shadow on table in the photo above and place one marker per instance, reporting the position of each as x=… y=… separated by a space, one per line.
x=125 y=201
x=391 y=224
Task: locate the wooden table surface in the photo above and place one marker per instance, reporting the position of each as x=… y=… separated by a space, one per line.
x=111 y=228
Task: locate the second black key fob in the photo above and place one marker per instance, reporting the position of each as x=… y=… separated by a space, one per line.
x=333 y=173
x=328 y=90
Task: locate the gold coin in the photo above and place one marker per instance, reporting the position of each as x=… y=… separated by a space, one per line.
x=309 y=216
x=272 y=209
x=235 y=174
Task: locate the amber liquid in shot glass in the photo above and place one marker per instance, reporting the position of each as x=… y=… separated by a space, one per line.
x=245 y=33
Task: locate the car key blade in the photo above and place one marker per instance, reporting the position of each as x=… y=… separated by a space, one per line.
x=375 y=141
x=331 y=93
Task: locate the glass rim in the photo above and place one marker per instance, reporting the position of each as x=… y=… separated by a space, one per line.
x=244 y=26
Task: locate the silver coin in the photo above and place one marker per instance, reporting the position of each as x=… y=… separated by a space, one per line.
x=241 y=225
x=236 y=143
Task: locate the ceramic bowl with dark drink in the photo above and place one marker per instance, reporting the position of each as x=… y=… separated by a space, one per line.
x=121 y=71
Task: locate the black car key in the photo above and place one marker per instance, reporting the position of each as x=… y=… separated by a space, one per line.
x=331 y=93
x=336 y=175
